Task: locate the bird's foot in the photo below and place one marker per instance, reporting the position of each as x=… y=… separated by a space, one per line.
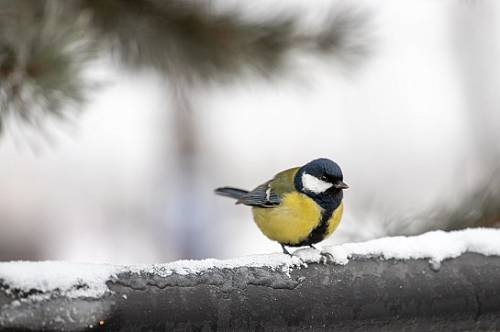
x=285 y=251
x=326 y=257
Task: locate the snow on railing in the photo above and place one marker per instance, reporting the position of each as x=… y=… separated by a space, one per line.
x=358 y=282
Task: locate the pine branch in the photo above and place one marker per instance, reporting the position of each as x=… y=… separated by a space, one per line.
x=186 y=39
x=42 y=58
x=46 y=45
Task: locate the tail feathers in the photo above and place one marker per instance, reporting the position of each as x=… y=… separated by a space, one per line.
x=231 y=192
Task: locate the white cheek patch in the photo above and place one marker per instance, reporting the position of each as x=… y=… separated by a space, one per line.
x=315 y=185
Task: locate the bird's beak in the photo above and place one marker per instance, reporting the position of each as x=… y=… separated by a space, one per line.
x=341 y=185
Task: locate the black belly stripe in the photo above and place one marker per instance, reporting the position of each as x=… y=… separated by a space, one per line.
x=318 y=232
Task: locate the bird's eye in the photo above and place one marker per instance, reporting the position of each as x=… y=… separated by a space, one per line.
x=324 y=178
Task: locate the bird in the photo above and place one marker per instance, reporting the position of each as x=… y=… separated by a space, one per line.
x=298 y=207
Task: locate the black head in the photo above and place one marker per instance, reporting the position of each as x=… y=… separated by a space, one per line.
x=319 y=178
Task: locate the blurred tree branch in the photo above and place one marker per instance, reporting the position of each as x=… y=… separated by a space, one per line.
x=42 y=56
x=478 y=207
x=477 y=59
x=192 y=40
x=44 y=49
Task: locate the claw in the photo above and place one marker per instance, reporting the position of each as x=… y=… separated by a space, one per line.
x=326 y=257
x=286 y=252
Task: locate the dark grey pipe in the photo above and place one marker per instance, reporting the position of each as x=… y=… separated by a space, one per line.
x=366 y=294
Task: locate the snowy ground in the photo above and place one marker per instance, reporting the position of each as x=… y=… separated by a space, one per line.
x=89 y=280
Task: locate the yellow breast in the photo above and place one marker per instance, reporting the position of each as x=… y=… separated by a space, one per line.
x=293 y=220
x=290 y=222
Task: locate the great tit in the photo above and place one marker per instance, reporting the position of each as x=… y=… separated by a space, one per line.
x=298 y=207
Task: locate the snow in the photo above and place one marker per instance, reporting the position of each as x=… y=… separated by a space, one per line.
x=70 y=279
x=435 y=246
x=275 y=261
x=89 y=280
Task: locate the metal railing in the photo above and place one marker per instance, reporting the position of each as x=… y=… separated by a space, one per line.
x=368 y=293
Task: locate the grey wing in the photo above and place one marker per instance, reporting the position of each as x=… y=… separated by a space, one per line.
x=262 y=196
